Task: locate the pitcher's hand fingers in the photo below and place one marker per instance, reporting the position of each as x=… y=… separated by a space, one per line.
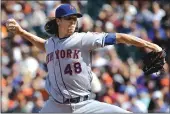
x=12 y=21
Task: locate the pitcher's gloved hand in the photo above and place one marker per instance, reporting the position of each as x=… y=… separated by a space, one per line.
x=153 y=62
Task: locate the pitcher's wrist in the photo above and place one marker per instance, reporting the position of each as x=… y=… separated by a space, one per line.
x=21 y=32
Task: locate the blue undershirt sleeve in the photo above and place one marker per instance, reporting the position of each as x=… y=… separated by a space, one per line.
x=110 y=39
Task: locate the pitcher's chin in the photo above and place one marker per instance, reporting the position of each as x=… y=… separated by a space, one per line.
x=70 y=32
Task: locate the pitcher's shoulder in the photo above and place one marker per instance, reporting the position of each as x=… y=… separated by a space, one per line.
x=49 y=40
x=80 y=34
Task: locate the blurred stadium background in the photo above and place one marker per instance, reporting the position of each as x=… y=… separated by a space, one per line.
x=118 y=75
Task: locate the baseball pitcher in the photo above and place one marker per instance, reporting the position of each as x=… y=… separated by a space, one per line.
x=68 y=58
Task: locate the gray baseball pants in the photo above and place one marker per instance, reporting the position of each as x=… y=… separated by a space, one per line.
x=89 y=106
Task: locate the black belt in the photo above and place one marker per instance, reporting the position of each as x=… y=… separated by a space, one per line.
x=77 y=99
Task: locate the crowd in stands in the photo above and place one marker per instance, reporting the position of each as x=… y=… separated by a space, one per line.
x=117 y=70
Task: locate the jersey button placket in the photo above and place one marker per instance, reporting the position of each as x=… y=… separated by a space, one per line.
x=57 y=58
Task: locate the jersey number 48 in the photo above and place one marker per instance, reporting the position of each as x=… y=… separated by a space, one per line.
x=76 y=67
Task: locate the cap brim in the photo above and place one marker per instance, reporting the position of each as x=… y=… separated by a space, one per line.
x=76 y=14
x=79 y=15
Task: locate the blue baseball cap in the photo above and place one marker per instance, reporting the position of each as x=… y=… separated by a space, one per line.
x=66 y=10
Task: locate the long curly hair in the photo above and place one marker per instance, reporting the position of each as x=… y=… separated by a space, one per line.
x=51 y=27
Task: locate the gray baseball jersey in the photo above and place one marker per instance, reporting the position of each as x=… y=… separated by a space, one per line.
x=69 y=64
